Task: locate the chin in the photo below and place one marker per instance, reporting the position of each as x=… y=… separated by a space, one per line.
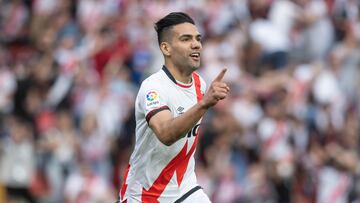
x=194 y=67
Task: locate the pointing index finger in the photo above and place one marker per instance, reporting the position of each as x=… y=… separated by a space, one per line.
x=221 y=75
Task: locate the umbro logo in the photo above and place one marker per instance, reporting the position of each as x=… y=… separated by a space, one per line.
x=180 y=110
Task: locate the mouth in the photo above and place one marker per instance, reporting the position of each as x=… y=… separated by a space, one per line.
x=195 y=56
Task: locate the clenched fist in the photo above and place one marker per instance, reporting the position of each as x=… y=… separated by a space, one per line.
x=217 y=91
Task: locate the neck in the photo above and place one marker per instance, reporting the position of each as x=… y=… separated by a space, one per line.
x=179 y=74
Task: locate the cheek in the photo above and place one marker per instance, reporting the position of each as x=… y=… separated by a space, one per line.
x=180 y=49
x=179 y=54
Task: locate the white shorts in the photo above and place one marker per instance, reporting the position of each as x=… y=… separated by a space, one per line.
x=198 y=196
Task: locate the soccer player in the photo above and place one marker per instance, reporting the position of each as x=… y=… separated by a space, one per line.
x=168 y=108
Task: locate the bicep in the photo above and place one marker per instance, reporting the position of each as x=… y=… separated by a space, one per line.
x=157 y=121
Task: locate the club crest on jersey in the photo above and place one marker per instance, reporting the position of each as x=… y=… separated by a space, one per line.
x=152 y=99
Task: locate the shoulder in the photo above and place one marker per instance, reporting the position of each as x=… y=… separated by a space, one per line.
x=156 y=84
x=155 y=80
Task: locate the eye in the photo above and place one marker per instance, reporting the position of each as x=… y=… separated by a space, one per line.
x=185 y=39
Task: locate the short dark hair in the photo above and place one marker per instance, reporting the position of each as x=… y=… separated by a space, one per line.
x=167 y=22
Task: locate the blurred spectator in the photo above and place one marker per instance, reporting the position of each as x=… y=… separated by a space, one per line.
x=59 y=144
x=85 y=186
x=313 y=20
x=273 y=40
x=14 y=15
x=17 y=160
x=95 y=146
x=7 y=84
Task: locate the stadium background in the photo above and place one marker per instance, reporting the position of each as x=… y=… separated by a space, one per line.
x=289 y=132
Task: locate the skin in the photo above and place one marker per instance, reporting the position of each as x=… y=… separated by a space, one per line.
x=183 y=40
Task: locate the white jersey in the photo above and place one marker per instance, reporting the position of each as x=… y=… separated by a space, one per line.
x=156 y=172
x=334 y=186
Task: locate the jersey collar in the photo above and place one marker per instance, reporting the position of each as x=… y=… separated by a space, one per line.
x=173 y=79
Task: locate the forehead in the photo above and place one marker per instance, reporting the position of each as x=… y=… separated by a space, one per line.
x=185 y=29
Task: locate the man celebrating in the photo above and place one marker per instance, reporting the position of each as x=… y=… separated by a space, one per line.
x=168 y=110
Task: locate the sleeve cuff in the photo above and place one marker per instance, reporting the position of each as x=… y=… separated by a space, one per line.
x=155 y=111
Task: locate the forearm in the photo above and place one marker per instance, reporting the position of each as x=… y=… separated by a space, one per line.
x=171 y=130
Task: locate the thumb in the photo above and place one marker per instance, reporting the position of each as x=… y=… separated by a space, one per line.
x=220 y=76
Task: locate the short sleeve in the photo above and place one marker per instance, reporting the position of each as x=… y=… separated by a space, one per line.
x=152 y=100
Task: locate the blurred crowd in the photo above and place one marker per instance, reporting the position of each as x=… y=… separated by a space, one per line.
x=289 y=133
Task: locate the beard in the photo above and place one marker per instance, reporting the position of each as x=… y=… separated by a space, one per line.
x=187 y=64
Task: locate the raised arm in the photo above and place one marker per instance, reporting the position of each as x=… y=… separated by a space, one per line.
x=169 y=129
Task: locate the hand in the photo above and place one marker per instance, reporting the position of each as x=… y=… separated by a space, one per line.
x=217 y=91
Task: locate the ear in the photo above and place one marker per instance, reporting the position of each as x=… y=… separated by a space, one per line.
x=165 y=48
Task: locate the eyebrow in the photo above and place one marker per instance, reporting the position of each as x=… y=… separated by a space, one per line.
x=189 y=35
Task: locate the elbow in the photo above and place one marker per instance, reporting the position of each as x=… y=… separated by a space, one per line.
x=164 y=133
x=167 y=143
x=165 y=138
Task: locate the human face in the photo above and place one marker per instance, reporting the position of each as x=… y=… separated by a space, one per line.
x=185 y=47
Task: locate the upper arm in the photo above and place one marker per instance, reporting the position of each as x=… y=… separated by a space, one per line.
x=153 y=103
x=159 y=119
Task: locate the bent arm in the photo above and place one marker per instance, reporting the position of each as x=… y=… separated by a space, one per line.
x=169 y=129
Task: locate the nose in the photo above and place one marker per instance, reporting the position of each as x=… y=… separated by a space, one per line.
x=196 y=44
